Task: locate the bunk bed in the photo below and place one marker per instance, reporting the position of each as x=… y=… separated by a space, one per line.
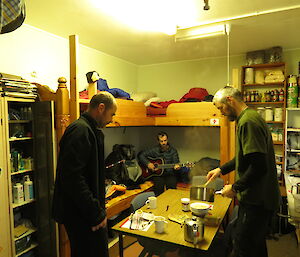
x=130 y=113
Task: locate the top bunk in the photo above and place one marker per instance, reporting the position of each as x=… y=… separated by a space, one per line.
x=191 y=114
x=131 y=113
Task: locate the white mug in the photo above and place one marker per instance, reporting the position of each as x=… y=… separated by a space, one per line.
x=160 y=224
x=185 y=204
x=151 y=202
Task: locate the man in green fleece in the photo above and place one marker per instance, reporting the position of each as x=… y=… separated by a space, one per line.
x=256 y=185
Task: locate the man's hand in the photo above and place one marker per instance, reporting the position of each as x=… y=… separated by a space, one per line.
x=213 y=174
x=101 y=225
x=177 y=167
x=151 y=166
x=228 y=192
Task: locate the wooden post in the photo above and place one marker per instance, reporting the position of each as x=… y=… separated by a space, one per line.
x=62 y=114
x=62 y=118
x=74 y=105
x=92 y=89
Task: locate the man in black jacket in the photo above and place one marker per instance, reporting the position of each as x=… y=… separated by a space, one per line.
x=79 y=194
x=256 y=185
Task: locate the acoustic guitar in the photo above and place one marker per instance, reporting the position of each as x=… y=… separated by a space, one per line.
x=160 y=166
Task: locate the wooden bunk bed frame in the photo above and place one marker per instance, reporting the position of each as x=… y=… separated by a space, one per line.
x=132 y=113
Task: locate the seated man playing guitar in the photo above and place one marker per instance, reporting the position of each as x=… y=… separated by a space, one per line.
x=159 y=163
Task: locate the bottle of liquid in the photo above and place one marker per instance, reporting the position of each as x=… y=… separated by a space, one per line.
x=292 y=96
x=28 y=188
x=18 y=193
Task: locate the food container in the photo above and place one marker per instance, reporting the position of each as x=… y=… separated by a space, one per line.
x=278 y=114
x=269 y=114
x=202 y=193
x=200 y=209
x=249 y=76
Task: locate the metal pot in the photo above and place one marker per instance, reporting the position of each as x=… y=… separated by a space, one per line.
x=193 y=230
x=202 y=193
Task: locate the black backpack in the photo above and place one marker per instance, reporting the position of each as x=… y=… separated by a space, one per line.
x=120 y=162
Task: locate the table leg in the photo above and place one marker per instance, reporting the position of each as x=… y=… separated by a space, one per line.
x=121 y=245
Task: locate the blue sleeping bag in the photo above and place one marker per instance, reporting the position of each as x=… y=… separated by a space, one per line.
x=116 y=92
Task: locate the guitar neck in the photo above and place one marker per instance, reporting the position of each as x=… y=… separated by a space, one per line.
x=168 y=166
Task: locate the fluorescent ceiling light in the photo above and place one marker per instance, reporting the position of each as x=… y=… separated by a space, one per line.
x=148 y=15
x=201 y=32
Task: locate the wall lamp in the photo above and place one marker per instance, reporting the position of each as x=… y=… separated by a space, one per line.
x=201 y=32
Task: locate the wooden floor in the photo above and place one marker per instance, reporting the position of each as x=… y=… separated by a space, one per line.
x=285 y=246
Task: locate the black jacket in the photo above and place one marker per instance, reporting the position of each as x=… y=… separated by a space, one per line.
x=79 y=187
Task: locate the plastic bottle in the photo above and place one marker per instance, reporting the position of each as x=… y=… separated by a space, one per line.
x=28 y=188
x=292 y=96
x=18 y=193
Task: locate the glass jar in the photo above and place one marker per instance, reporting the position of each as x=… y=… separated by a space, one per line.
x=261 y=112
x=268 y=114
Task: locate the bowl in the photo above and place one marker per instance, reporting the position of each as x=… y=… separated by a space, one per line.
x=200 y=209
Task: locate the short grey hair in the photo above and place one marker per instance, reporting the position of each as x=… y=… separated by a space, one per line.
x=222 y=94
x=105 y=98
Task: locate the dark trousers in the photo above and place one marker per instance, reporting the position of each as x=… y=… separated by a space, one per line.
x=249 y=239
x=84 y=242
x=166 y=180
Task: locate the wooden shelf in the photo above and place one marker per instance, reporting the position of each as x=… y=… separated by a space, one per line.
x=278 y=142
x=264 y=103
x=32 y=246
x=279 y=163
x=19 y=139
x=30 y=231
x=293 y=151
x=19 y=121
x=15 y=205
x=293 y=130
x=20 y=172
x=265 y=65
x=275 y=122
x=296 y=171
x=280 y=84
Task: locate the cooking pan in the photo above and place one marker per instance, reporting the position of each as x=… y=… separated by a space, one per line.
x=202 y=193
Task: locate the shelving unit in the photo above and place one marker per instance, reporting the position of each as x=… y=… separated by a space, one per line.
x=292 y=140
x=277 y=127
x=26 y=128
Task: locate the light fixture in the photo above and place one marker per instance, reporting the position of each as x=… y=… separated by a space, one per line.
x=201 y=32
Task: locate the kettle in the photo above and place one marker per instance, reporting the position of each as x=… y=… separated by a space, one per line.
x=193 y=230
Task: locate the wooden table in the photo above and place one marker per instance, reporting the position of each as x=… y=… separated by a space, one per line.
x=122 y=202
x=175 y=233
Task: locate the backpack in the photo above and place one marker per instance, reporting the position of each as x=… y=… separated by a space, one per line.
x=121 y=166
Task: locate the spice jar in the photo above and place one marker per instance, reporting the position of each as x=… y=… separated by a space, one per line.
x=269 y=114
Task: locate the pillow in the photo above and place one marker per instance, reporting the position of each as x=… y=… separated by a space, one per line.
x=153 y=99
x=142 y=96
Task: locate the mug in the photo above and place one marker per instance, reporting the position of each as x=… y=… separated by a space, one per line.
x=160 y=224
x=151 y=202
x=185 y=204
